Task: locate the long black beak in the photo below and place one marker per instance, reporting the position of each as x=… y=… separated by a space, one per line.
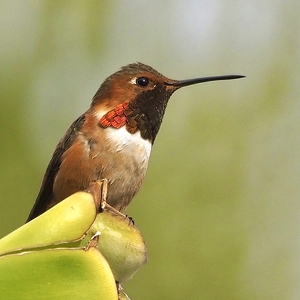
x=181 y=83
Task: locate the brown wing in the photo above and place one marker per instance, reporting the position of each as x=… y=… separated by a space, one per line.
x=45 y=193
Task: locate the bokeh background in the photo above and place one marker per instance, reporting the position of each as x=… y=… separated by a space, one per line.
x=219 y=209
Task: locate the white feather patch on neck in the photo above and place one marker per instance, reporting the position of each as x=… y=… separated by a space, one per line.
x=129 y=142
x=100 y=113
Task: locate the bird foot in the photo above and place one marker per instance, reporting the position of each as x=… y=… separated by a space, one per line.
x=98 y=189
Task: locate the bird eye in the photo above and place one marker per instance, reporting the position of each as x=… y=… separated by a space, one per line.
x=142 y=81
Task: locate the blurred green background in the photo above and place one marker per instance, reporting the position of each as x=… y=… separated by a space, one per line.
x=219 y=209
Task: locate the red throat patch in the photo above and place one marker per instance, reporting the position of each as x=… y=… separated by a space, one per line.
x=115 y=118
x=118 y=117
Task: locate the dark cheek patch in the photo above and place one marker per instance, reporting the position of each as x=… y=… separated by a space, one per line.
x=143 y=113
x=115 y=118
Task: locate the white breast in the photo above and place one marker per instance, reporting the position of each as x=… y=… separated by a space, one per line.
x=132 y=144
x=121 y=140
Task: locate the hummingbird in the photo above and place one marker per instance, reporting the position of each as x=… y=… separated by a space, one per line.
x=113 y=139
